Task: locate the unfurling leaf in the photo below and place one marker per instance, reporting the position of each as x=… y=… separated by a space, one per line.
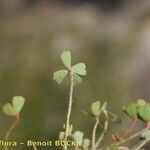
x=78 y=138
x=14 y=108
x=131 y=110
x=66 y=59
x=76 y=79
x=79 y=68
x=96 y=110
x=60 y=75
x=104 y=110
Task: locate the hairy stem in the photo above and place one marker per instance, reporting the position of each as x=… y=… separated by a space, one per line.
x=10 y=130
x=102 y=135
x=69 y=107
x=94 y=132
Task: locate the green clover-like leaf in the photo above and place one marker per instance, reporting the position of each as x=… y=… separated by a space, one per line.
x=79 y=69
x=76 y=70
x=60 y=75
x=78 y=138
x=76 y=79
x=96 y=108
x=14 y=108
x=144 y=112
x=131 y=110
x=66 y=59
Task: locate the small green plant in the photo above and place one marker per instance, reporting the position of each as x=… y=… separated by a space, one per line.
x=74 y=72
x=136 y=111
x=13 y=110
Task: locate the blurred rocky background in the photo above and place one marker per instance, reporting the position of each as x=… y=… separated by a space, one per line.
x=110 y=36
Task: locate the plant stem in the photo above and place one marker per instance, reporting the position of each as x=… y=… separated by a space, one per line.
x=94 y=132
x=131 y=127
x=129 y=138
x=69 y=107
x=102 y=135
x=138 y=147
x=10 y=130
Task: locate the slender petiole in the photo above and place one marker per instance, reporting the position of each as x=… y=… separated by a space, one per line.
x=11 y=129
x=94 y=132
x=69 y=107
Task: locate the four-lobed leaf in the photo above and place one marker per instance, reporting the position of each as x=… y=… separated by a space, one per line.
x=77 y=70
x=14 y=108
